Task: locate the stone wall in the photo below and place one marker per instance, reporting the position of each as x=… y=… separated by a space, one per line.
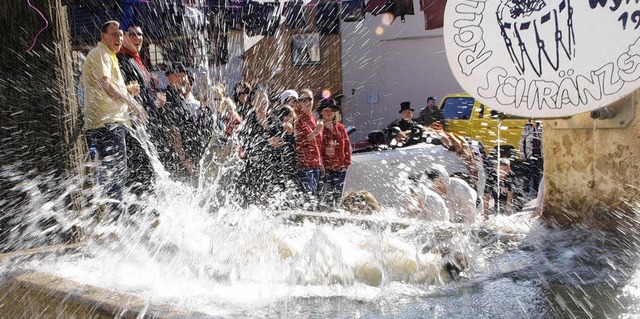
x=30 y=294
x=592 y=175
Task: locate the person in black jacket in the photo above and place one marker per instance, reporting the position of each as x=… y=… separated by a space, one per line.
x=172 y=126
x=141 y=175
x=404 y=131
x=265 y=142
x=133 y=68
x=431 y=114
x=285 y=143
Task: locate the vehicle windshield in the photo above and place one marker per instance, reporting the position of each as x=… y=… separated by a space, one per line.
x=458 y=108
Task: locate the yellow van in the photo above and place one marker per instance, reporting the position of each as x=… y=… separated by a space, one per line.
x=466 y=116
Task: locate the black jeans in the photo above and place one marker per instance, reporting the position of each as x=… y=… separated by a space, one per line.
x=333 y=186
x=109 y=142
x=535 y=174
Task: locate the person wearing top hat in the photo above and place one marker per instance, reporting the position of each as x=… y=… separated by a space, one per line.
x=404 y=131
x=336 y=153
x=431 y=114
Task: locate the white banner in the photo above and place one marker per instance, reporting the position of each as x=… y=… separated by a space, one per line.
x=544 y=58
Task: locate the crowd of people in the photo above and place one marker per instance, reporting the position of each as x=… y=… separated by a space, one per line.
x=286 y=142
x=493 y=185
x=293 y=151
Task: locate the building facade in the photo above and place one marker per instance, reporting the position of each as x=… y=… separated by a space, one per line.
x=384 y=65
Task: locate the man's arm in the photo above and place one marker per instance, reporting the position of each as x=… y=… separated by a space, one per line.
x=316 y=132
x=115 y=93
x=112 y=90
x=347 y=151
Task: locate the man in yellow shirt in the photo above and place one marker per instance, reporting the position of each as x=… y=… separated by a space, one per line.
x=107 y=103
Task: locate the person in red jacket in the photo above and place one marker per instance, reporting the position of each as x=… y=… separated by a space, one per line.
x=336 y=153
x=308 y=141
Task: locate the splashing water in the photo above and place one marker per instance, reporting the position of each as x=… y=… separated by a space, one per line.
x=255 y=263
x=190 y=246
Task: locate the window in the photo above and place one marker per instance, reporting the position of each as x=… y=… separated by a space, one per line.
x=458 y=108
x=156 y=55
x=305 y=49
x=77 y=59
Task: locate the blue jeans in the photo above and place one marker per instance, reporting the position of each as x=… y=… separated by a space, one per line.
x=333 y=186
x=109 y=142
x=309 y=178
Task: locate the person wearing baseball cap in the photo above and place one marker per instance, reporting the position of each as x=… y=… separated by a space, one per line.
x=288 y=97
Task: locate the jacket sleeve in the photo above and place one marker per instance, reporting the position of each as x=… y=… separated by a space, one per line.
x=347 y=147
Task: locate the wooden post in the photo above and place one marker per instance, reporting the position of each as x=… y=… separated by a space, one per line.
x=39 y=126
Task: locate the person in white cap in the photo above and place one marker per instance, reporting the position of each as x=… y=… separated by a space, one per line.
x=289 y=97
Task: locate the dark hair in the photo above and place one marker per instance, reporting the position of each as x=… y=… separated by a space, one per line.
x=257 y=90
x=284 y=111
x=432 y=174
x=105 y=26
x=431 y=99
x=245 y=86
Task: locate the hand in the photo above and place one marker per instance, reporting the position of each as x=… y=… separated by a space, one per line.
x=402 y=136
x=133 y=88
x=275 y=141
x=161 y=99
x=288 y=128
x=316 y=131
x=139 y=114
x=188 y=166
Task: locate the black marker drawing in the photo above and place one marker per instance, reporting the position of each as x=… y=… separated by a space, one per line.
x=535 y=31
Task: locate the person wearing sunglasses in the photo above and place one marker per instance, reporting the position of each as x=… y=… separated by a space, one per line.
x=133 y=69
x=138 y=78
x=308 y=145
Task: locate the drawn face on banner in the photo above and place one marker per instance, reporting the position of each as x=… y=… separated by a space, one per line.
x=544 y=58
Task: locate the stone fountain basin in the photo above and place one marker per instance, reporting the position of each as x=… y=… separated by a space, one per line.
x=36 y=294
x=31 y=294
